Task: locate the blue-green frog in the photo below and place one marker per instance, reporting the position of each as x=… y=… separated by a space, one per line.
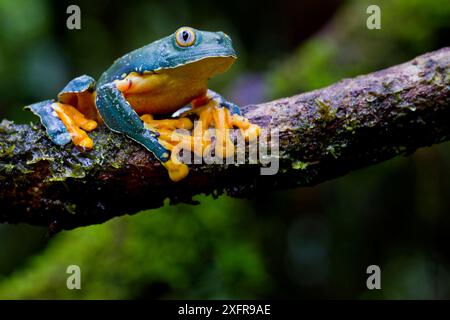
x=155 y=81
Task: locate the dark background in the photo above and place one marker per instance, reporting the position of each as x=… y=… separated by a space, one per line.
x=303 y=243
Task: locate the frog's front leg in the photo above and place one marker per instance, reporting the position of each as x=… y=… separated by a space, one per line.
x=55 y=128
x=119 y=116
x=76 y=124
x=64 y=123
x=66 y=119
x=76 y=109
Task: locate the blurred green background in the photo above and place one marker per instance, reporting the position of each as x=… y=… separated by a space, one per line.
x=304 y=243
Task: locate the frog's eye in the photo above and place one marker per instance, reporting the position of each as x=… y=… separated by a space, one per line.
x=185 y=37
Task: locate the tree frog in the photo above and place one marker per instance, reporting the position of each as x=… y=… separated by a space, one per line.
x=138 y=94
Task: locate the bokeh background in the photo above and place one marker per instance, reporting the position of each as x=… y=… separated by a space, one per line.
x=303 y=243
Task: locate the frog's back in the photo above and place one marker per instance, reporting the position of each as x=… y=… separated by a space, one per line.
x=145 y=59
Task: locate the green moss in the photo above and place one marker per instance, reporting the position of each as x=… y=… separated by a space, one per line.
x=37 y=159
x=6 y=167
x=348 y=128
x=299 y=165
x=371 y=97
x=116 y=165
x=6 y=151
x=400 y=149
x=333 y=151
x=18 y=147
x=23 y=169
x=326 y=112
x=71 y=208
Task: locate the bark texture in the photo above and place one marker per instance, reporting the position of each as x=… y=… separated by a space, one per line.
x=323 y=134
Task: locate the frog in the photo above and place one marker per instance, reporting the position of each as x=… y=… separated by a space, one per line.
x=148 y=95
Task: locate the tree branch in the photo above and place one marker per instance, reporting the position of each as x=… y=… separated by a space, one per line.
x=323 y=134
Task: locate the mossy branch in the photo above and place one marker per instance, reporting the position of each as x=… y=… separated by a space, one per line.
x=323 y=134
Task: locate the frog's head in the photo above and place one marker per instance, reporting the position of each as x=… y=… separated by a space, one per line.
x=210 y=51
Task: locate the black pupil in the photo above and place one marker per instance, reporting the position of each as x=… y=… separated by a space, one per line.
x=185 y=35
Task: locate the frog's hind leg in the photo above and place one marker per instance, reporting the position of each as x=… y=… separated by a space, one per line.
x=213 y=110
x=119 y=116
x=169 y=134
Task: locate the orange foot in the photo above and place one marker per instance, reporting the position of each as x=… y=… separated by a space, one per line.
x=76 y=123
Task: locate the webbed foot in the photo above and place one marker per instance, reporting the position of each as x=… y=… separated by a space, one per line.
x=214 y=111
x=76 y=124
x=177 y=170
x=171 y=137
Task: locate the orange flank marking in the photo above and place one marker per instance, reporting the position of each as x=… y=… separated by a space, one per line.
x=123 y=85
x=86 y=106
x=201 y=101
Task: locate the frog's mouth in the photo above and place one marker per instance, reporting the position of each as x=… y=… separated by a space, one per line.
x=211 y=56
x=214 y=64
x=202 y=68
x=214 y=52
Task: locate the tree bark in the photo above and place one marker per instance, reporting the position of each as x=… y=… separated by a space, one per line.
x=323 y=134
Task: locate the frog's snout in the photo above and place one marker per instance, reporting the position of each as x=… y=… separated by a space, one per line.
x=222 y=37
x=224 y=41
x=219 y=39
